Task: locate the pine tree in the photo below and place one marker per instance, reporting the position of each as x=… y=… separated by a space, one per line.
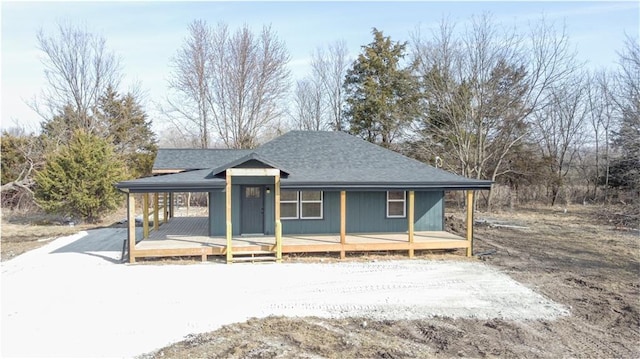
x=381 y=95
x=126 y=124
x=77 y=180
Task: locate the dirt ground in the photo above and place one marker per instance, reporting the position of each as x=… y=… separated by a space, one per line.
x=572 y=258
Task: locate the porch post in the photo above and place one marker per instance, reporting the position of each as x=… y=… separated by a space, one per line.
x=131 y=226
x=411 y=219
x=470 y=222
x=145 y=216
x=188 y=202
x=156 y=215
x=228 y=216
x=343 y=223
x=165 y=210
x=278 y=223
x=171 y=205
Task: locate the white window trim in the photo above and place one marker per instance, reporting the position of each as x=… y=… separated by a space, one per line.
x=404 y=205
x=296 y=202
x=299 y=201
x=321 y=201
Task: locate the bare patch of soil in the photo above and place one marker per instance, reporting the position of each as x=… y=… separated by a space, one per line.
x=572 y=258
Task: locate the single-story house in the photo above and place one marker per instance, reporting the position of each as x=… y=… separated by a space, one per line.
x=305 y=191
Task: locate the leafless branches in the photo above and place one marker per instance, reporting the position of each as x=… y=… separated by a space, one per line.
x=190 y=79
x=329 y=68
x=481 y=87
x=308 y=105
x=231 y=83
x=559 y=129
x=78 y=70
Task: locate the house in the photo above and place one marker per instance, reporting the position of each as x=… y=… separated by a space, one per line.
x=301 y=192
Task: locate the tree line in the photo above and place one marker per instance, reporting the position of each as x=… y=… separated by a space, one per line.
x=91 y=135
x=484 y=101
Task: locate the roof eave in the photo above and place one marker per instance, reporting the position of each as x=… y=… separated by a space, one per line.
x=169 y=187
x=483 y=185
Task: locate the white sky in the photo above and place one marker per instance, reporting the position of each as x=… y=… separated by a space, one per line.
x=145 y=35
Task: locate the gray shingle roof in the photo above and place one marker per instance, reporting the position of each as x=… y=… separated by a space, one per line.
x=252 y=156
x=312 y=160
x=194 y=159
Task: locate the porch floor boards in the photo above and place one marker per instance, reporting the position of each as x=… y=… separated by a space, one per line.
x=188 y=236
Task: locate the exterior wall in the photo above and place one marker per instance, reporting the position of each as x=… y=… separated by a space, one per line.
x=217 y=206
x=366 y=212
x=330 y=222
x=429 y=211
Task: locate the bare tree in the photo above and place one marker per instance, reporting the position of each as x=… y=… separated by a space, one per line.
x=308 y=105
x=78 y=70
x=22 y=154
x=602 y=115
x=189 y=82
x=329 y=69
x=559 y=130
x=480 y=89
x=248 y=84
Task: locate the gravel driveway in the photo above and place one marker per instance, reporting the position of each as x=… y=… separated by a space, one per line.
x=72 y=297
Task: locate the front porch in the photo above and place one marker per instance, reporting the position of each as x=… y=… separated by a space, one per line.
x=191 y=236
x=187 y=236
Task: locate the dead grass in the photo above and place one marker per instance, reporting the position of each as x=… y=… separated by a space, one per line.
x=576 y=258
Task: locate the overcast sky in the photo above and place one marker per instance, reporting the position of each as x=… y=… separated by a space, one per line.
x=145 y=35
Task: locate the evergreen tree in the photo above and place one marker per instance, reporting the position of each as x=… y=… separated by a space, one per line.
x=118 y=118
x=78 y=179
x=126 y=124
x=625 y=170
x=381 y=95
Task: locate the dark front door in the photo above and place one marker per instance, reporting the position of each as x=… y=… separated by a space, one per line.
x=252 y=210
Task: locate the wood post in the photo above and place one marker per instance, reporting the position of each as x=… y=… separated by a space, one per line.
x=171 y=205
x=156 y=216
x=131 y=226
x=165 y=209
x=228 y=219
x=411 y=221
x=343 y=223
x=188 y=202
x=470 y=222
x=278 y=224
x=145 y=216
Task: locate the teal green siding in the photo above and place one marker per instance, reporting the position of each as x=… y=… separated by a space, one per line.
x=330 y=222
x=217 y=206
x=366 y=212
x=429 y=211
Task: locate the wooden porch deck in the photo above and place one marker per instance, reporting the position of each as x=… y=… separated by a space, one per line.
x=187 y=236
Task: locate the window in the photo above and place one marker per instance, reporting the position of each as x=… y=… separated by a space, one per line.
x=311 y=204
x=289 y=204
x=396 y=203
x=301 y=204
x=252 y=192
